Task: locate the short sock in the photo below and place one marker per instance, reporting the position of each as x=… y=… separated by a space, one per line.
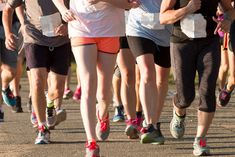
x=139 y=114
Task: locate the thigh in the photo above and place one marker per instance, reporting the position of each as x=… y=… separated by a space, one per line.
x=86 y=59
x=208 y=68
x=232 y=37
x=126 y=62
x=184 y=65
x=59 y=60
x=105 y=66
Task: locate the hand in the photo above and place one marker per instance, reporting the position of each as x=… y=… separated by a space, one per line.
x=11 y=42
x=193 y=6
x=222 y=25
x=134 y=3
x=62 y=30
x=68 y=15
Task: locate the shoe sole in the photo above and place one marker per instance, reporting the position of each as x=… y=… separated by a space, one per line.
x=119 y=120
x=42 y=142
x=132 y=133
x=147 y=140
x=201 y=154
x=61 y=117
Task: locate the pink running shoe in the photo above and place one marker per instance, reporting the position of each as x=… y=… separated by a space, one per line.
x=92 y=149
x=77 y=94
x=102 y=127
x=68 y=93
x=131 y=129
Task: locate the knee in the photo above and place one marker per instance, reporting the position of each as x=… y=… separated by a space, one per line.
x=89 y=87
x=224 y=68
x=183 y=101
x=148 y=75
x=128 y=76
x=162 y=82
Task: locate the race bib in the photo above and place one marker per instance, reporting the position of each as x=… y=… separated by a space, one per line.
x=194 y=26
x=49 y=24
x=2 y=5
x=151 y=21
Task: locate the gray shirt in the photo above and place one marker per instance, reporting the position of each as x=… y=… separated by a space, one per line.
x=135 y=26
x=32 y=28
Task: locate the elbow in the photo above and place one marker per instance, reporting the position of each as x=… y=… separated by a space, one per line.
x=7 y=9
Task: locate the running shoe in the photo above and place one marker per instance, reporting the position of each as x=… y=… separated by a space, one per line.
x=29 y=104
x=8 y=97
x=43 y=135
x=77 y=94
x=152 y=135
x=224 y=96
x=1 y=116
x=102 y=127
x=33 y=119
x=68 y=93
x=131 y=129
x=92 y=149
x=200 y=148
x=18 y=105
x=51 y=115
x=177 y=126
x=118 y=114
x=61 y=115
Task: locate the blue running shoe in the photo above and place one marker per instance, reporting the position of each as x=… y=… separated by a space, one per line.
x=118 y=114
x=8 y=97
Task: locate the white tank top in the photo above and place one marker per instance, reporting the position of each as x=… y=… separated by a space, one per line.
x=99 y=20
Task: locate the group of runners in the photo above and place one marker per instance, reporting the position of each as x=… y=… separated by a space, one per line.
x=122 y=36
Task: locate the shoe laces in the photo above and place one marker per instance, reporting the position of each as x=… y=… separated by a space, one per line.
x=42 y=129
x=224 y=95
x=9 y=93
x=202 y=143
x=104 y=123
x=178 y=122
x=131 y=122
x=91 y=145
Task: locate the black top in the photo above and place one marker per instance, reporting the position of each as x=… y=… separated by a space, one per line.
x=208 y=10
x=15 y=19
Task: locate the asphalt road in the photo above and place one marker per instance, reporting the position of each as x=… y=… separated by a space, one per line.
x=68 y=139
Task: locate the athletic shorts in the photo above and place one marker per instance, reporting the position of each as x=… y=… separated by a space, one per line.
x=202 y=57
x=9 y=57
x=104 y=44
x=140 y=46
x=124 y=43
x=55 y=59
x=232 y=38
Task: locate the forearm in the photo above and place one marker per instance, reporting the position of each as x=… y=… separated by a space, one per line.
x=7 y=19
x=123 y=4
x=172 y=16
x=60 y=5
x=20 y=14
